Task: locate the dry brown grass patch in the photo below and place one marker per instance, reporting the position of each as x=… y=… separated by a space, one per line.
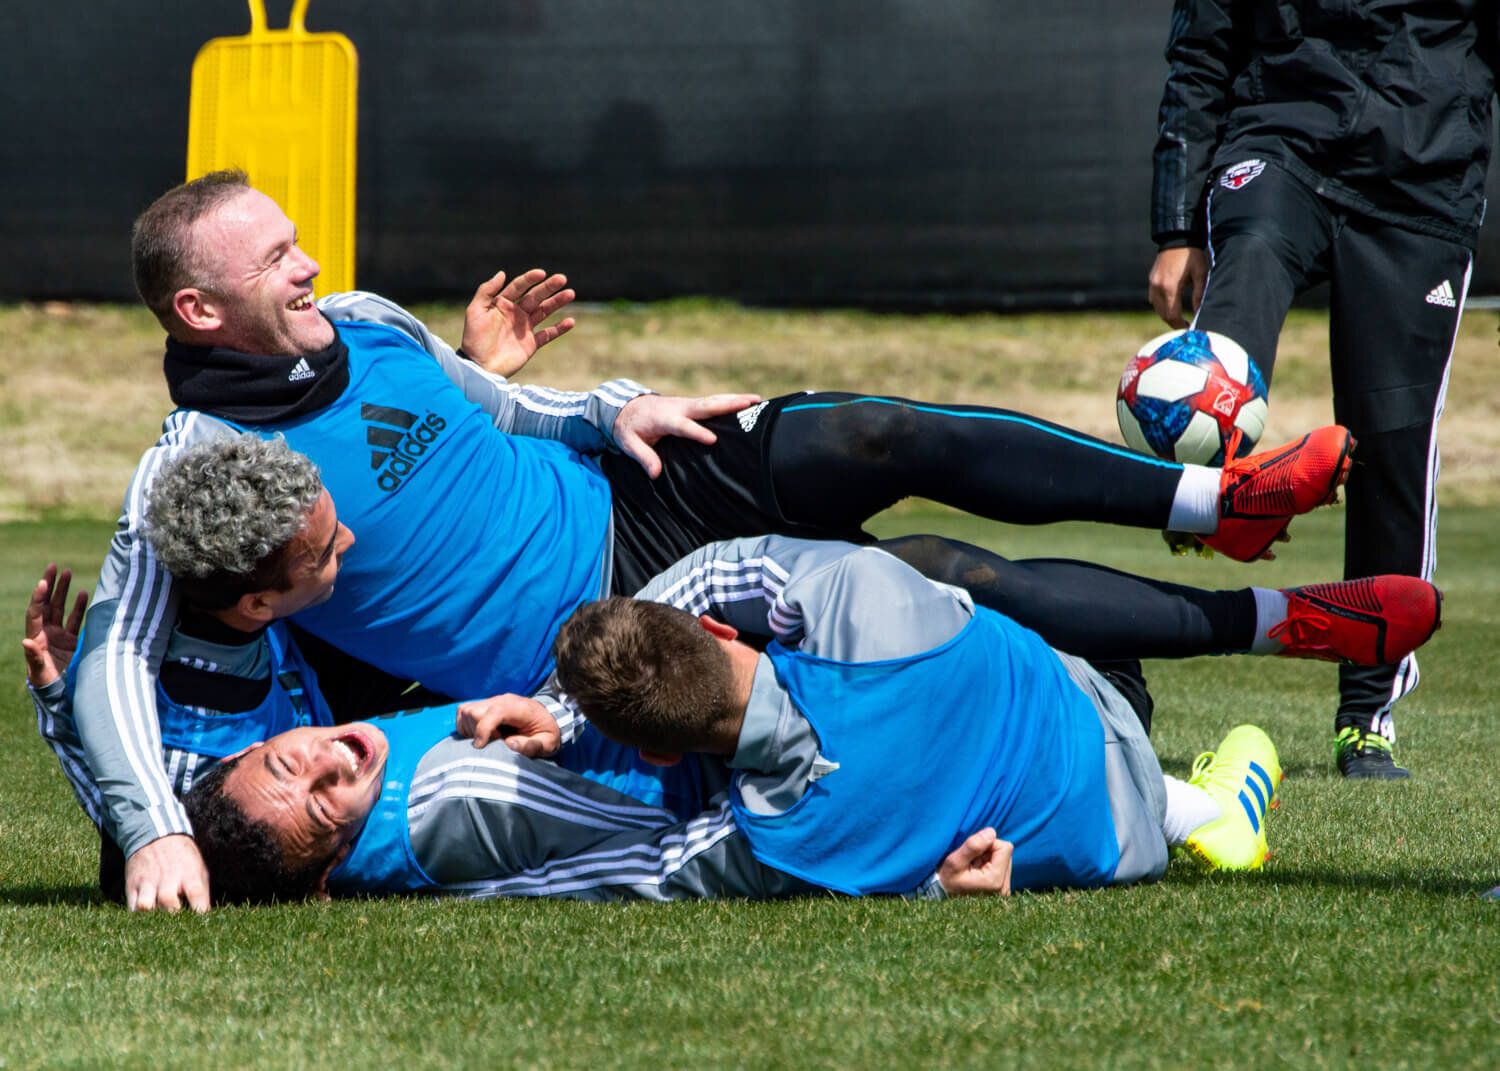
x=83 y=394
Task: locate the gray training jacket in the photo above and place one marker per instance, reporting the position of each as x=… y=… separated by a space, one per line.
x=120 y=776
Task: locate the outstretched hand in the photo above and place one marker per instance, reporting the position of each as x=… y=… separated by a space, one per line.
x=51 y=631
x=533 y=730
x=503 y=324
x=648 y=418
x=979 y=866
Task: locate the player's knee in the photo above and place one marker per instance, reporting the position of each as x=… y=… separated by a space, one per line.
x=934 y=557
x=873 y=432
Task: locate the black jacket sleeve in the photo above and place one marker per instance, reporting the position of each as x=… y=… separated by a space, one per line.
x=1205 y=51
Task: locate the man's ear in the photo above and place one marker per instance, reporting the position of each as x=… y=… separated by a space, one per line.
x=257 y=606
x=718 y=629
x=661 y=758
x=321 y=892
x=242 y=751
x=197 y=309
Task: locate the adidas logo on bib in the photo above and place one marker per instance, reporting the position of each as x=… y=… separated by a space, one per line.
x=300 y=371
x=397 y=441
x=1442 y=294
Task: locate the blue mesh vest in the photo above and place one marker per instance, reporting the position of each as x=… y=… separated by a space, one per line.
x=472 y=545
x=381 y=859
x=986 y=729
x=293 y=700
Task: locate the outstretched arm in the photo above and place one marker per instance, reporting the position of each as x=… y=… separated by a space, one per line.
x=583 y=420
x=1205 y=50
x=619 y=413
x=494 y=823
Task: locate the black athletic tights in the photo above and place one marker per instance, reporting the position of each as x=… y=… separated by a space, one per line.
x=838 y=459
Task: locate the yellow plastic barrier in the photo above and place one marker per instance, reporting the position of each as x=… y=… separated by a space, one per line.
x=282 y=105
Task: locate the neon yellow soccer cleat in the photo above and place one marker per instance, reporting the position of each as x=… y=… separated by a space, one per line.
x=1241 y=777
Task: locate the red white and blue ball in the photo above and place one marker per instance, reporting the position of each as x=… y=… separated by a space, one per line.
x=1186 y=392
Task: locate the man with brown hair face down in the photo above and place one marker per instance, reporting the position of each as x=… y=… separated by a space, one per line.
x=887 y=715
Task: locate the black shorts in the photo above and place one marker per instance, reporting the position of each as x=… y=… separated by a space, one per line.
x=704 y=494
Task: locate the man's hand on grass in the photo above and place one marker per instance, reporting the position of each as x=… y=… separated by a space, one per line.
x=980 y=866
x=167 y=873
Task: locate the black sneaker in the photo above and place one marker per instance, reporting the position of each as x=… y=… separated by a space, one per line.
x=1366 y=756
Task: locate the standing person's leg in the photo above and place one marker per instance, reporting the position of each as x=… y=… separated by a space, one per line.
x=1396 y=302
x=1268 y=239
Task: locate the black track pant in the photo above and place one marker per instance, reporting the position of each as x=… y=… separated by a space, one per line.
x=843 y=458
x=820 y=465
x=1396 y=296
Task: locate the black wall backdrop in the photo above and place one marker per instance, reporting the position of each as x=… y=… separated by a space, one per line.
x=959 y=153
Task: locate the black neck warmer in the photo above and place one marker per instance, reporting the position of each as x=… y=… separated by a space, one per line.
x=247 y=388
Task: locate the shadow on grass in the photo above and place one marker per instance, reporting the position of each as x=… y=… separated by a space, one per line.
x=1294 y=769
x=1429 y=880
x=51 y=895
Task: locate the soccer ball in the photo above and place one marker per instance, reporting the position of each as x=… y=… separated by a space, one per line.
x=1184 y=394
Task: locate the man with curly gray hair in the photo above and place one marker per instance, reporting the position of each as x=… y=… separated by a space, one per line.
x=225 y=517
x=250 y=536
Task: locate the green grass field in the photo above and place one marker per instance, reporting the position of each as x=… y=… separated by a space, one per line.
x=1365 y=943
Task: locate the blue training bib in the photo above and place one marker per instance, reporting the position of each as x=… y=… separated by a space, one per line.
x=986 y=729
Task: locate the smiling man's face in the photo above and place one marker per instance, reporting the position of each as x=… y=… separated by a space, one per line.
x=314 y=786
x=261 y=280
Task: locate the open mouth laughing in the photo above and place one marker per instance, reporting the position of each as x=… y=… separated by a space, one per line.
x=357 y=749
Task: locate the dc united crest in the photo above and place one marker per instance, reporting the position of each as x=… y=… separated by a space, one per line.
x=1242 y=174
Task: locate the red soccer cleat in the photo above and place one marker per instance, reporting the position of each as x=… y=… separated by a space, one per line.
x=1375 y=621
x=1260 y=494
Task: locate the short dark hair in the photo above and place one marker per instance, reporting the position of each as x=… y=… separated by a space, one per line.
x=222 y=516
x=246 y=863
x=646 y=674
x=162 y=258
